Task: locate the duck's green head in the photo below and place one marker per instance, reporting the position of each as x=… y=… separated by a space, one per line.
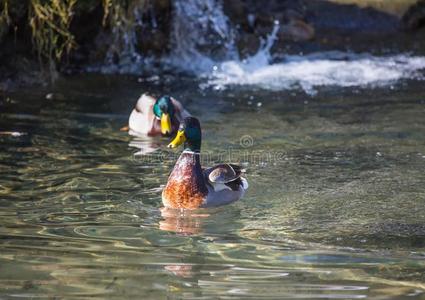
x=164 y=110
x=189 y=133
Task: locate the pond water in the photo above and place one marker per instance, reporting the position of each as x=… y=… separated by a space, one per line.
x=335 y=208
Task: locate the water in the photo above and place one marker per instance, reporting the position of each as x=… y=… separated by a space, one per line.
x=321 y=69
x=203 y=44
x=335 y=208
x=122 y=55
x=310 y=71
x=201 y=36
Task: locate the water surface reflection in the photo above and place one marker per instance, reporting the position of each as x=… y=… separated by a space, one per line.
x=338 y=214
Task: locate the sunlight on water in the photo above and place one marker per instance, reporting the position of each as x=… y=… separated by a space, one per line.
x=335 y=208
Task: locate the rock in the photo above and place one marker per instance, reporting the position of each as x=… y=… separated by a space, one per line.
x=236 y=11
x=255 y=20
x=414 y=18
x=153 y=42
x=324 y=15
x=248 y=44
x=86 y=26
x=11 y=15
x=153 y=38
x=148 y=26
x=296 y=30
x=4 y=24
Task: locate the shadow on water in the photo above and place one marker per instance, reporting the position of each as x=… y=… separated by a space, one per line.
x=335 y=207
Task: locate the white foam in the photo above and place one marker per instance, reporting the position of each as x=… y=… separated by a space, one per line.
x=331 y=68
x=321 y=69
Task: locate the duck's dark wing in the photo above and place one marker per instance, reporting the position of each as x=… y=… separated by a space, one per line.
x=228 y=174
x=234 y=184
x=238 y=169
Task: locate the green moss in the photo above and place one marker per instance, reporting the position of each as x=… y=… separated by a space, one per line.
x=120 y=17
x=50 y=22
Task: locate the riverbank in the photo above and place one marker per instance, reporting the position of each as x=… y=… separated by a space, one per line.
x=40 y=42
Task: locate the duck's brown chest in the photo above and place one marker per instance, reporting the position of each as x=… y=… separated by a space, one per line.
x=186 y=185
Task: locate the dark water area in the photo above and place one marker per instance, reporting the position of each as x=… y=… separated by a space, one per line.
x=335 y=207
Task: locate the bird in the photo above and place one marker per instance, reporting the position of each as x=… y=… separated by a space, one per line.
x=155 y=117
x=189 y=186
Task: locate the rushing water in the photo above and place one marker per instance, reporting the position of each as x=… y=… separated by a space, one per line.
x=203 y=44
x=321 y=69
x=201 y=35
x=335 y=209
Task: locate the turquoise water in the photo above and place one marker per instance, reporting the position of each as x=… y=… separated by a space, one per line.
x=335 y=208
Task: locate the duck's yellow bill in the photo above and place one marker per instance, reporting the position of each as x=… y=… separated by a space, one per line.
x=165 y=123
x=178 y=140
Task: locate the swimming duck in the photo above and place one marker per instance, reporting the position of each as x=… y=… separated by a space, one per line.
x=189 y=186
x=156 y=117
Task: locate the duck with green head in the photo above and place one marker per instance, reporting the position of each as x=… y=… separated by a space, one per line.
x=156 y=117
x=190 y=186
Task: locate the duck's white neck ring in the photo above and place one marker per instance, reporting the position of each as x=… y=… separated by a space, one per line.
x=191 y=152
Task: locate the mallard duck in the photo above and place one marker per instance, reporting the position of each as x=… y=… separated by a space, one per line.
x=189 y=186
x=156 y=117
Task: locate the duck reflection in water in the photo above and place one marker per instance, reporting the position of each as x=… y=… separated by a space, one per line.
x=182 y=221
x=144 y=145
x=211 y=222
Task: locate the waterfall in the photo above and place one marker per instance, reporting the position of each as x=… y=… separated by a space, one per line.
x=200 y=38
x=122 y=52
x=201 y=35
x=122 y=55
x=202 y=41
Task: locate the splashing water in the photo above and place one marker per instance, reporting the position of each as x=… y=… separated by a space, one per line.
x=123 y=48
x=320 y=69
x=201 y=35
x=203 y=43
x=323 y=69
x=122 y=56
